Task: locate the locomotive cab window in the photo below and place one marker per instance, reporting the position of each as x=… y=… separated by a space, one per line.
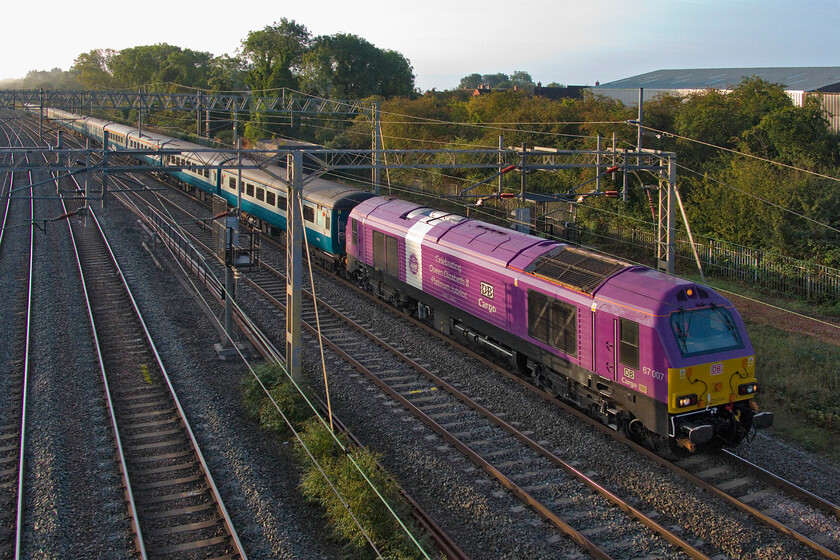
x=701 y=331
x=628 y=347
x=553 y=322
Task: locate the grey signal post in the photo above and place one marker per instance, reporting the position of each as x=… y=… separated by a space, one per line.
x=294 y=263
x=104 y=166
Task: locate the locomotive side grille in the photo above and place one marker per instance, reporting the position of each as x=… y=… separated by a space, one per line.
x=576 y=269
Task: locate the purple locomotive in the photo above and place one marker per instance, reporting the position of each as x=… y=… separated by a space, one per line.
x=647 y=353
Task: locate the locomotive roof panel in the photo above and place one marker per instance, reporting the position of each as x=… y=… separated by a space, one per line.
x=580 y=270
x=494 y=243
x=656 y=293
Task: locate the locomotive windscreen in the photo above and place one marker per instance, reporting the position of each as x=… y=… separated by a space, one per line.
x=576 y=269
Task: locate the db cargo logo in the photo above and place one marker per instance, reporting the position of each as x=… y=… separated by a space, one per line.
x=413 y=265
x=717 y=369
x=487 y=290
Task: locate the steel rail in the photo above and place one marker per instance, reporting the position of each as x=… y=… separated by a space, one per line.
x=224 y=514
x=794 y=489
x=135 y=518
x=27 y=337
x=22 y=460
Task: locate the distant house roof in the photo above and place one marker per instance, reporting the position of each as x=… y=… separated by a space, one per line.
x=817 y=79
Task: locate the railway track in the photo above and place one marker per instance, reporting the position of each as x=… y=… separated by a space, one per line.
x=16 y=230
x=176 y=509
x=782 y=505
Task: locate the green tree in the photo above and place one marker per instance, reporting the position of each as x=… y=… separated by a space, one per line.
x=274 y=55
x=52 y=79
x=798 y=136
x=227 y=74
x=160 y=67
x=496 y=80
x=522 y=80
x=470 y=82
x=346 y=66
x=91 y=69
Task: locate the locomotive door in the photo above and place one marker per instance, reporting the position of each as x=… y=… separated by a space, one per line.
x=606 y=351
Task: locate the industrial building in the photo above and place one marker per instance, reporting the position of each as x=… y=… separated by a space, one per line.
x=799 y=83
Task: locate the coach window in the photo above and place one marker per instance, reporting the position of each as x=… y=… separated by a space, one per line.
x=308 y=214
x=628 y=347
x=269 y=198
x=281 y=202
x=327 y=220
x=260 y=194
x=232 y=183
x=249 y=189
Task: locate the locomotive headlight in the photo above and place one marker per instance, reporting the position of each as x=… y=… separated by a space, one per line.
x=687 y=400
x=748 y=388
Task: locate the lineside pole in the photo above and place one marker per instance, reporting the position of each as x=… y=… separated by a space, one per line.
x=104 y=166
x=501 y=163
x=690 y=237
x=377 y=146
x=294 y=263
x=665 y=253
x=87 y=176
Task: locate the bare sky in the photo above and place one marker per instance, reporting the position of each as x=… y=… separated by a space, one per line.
x=571 y=42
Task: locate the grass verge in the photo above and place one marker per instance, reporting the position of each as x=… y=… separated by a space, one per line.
x=799 y=379
x=339 y=464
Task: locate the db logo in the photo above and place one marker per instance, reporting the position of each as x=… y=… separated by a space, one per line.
x=717 y=369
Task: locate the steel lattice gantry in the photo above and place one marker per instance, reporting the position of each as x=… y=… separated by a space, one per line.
x=287 y=102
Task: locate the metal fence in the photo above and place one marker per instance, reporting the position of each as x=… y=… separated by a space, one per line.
x=759 y=268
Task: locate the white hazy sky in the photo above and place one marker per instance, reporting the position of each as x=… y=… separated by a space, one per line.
x=571 y=42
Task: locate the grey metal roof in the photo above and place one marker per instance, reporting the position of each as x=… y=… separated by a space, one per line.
x=826 y=78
